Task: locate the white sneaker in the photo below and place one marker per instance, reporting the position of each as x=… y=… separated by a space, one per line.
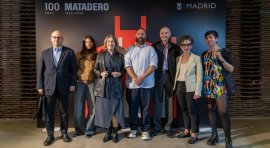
x=132 y=134
x=145 y=136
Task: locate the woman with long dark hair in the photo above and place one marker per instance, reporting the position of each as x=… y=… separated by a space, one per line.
x=86 y=60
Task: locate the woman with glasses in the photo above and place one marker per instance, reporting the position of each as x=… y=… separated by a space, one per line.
x=188 y=86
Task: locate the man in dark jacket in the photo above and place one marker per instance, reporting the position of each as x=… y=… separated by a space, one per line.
x=164 y=76
x=56 y=77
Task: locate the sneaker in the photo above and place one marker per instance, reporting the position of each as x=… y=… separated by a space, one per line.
x=132 y=134
x=145 y=136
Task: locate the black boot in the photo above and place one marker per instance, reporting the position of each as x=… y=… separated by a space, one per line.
x=108 y=135
x=214 y=138
x=115 y=135
x=228 y=142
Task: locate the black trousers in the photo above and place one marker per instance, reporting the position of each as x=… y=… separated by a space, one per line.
x=163 y=91
x=189 y=107
x=51 y=103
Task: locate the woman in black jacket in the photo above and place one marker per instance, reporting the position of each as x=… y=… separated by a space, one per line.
x=109 y=69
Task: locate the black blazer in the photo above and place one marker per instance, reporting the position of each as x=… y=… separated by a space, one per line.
x=64 y=74
x=100 y=67
x=173 y=52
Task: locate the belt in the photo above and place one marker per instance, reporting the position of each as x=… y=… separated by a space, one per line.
x=165 y=71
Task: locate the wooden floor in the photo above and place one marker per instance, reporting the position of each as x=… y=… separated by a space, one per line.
x=246 y=133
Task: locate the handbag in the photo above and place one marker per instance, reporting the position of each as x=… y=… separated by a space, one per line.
x=99 y=87
x=227 y=76
x=42 y=112
x=230 y=84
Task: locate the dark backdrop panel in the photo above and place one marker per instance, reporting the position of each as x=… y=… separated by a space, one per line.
x=192 y=17
x=76 y=18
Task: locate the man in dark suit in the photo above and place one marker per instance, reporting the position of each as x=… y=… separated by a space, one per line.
x=164 y=76
x=56 y=77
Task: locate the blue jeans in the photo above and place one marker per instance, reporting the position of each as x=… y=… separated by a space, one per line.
x=84 y=92
x=140 y=97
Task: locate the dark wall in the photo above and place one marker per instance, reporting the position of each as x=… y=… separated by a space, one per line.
x=17 y=59
x=247 y=34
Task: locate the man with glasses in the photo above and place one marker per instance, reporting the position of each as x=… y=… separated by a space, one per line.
x=56 y=77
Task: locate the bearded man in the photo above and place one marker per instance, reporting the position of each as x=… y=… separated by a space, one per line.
x=140 y=63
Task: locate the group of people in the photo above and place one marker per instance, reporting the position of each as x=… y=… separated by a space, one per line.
x=159 y=71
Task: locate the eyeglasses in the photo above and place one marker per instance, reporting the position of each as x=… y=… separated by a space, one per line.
x=56 y=37
x=188 y=45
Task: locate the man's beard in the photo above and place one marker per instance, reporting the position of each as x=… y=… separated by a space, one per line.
x=140 y=41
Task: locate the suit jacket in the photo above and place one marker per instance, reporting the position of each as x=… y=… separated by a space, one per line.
x=64 y=74
x=100 y=67
x=173 y=52
x=193 y=74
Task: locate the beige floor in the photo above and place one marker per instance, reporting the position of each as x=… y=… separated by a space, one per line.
x=246 y=133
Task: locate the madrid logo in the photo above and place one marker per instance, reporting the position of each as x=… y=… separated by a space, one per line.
x=179 y=6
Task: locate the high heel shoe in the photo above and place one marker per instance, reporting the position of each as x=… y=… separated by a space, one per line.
x=214 y=138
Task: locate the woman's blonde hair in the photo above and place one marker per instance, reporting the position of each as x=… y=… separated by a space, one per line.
x=117 y=47
x=106 y=39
